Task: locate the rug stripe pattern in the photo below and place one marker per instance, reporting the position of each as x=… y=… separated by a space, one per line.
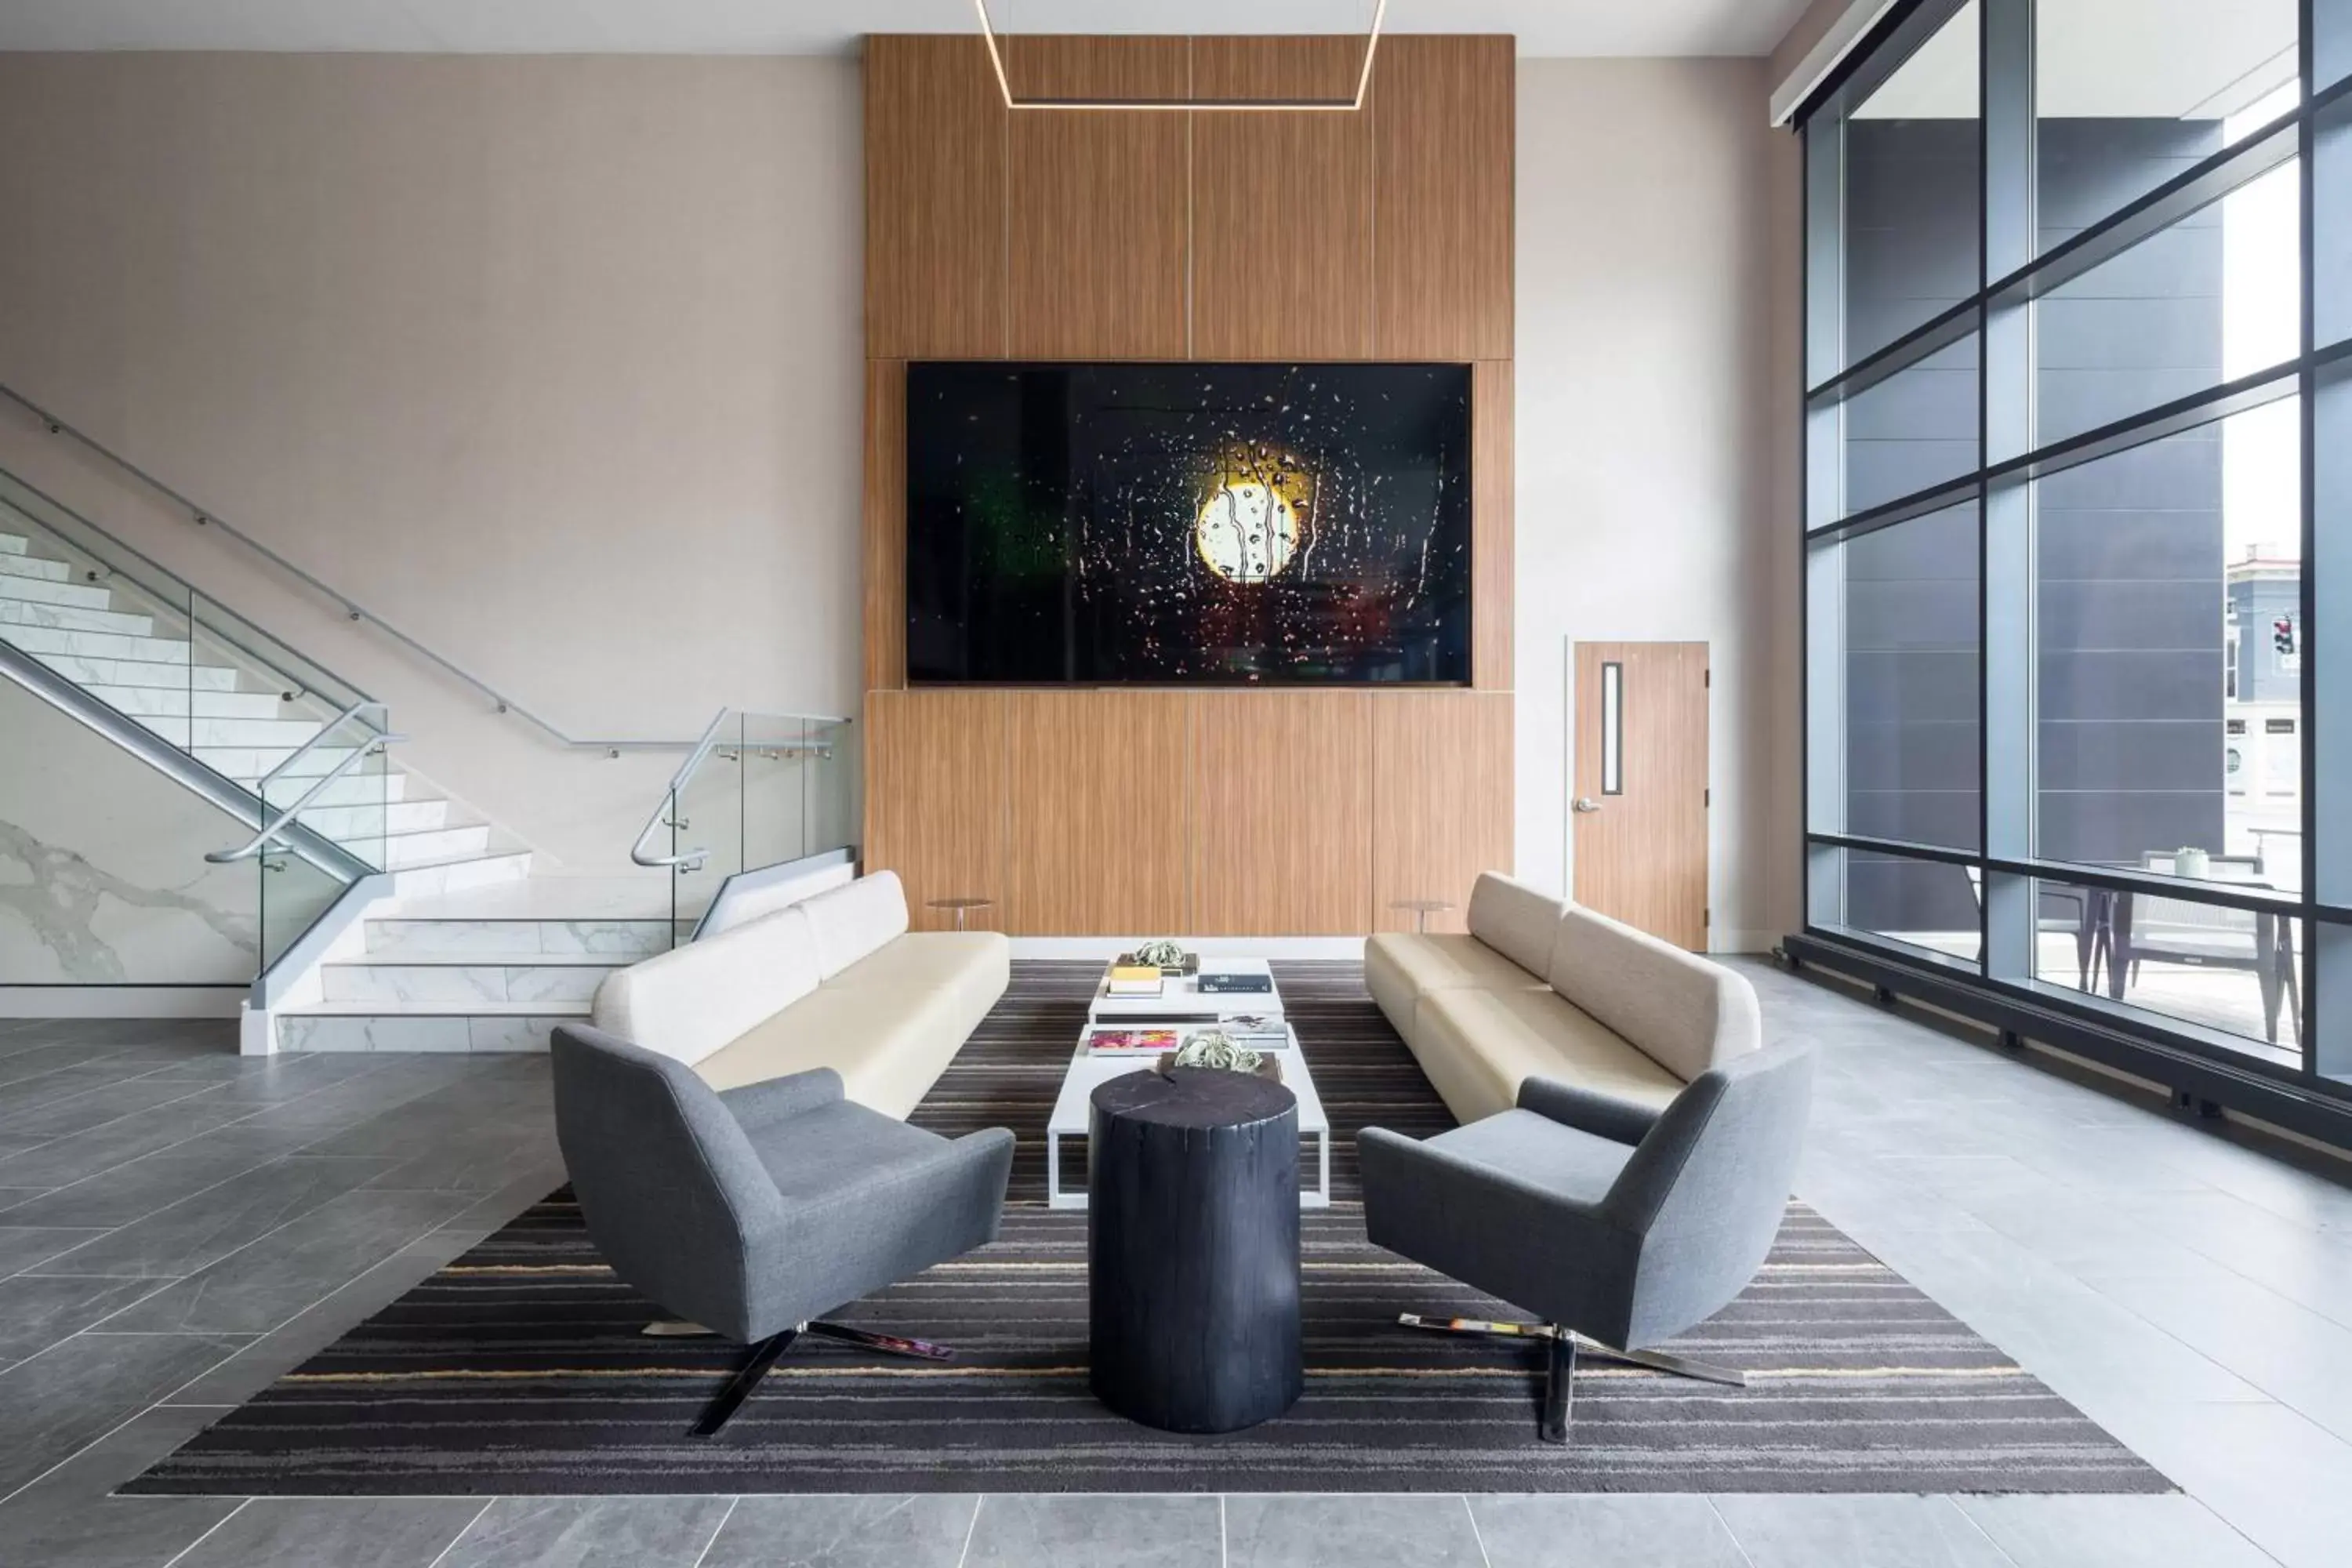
x=519 y=1369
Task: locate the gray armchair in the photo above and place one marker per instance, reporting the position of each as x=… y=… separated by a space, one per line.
x=1618 y=1225
x=748 y=1212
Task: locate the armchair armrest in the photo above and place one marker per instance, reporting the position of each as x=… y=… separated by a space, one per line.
x=1619 y=1121
x=758 y=1105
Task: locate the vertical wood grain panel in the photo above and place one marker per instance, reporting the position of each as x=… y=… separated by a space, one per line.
x=1441 y=799
x=1643 y=857
x=1492 y=523
x=1281 y=809
x=1282 y=205
x=935 y=798
x=1097 y=216
x=1442 y=120
x=935 y=139
x=1099 y=814
x=884 y=524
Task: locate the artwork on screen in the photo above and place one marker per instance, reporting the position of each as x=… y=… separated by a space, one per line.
x=1188 y=524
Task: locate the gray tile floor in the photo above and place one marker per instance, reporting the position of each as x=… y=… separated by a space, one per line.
x=178 y=1226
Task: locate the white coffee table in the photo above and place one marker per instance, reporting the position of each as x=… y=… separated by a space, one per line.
x=1181 y=1000
x=1071 y=1108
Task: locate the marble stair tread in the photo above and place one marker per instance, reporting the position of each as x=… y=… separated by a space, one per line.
x=38 y=638
x=580 y=898
x=170 y=701
x=12 y=544
x=576 y=1008
x=34 y=590
x=73 y=618
x=488 y=958
x=14 y=565
x=159 y=675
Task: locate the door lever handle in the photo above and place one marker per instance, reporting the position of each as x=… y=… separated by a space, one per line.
x=1586 y=803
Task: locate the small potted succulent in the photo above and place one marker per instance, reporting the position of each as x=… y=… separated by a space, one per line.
x=1165 y=954
x=1216 y=1049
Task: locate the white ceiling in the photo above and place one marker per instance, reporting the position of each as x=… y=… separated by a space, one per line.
x=1545 y=27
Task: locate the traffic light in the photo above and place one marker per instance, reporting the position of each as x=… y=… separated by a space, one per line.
x=2282 y=635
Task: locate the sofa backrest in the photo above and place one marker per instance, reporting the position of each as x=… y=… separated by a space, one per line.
x=1515 y=920
x=1686 y=1013
x=850 y=922
x=687 y=1003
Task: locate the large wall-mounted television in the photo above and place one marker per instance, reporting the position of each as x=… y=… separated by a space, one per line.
x=1188 y=524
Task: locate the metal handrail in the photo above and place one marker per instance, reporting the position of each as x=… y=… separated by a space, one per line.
x=278 y=825
x=668 y=801
x=344 y=603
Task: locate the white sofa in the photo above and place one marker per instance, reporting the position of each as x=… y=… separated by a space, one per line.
x=1543 y=989
x=834 y=981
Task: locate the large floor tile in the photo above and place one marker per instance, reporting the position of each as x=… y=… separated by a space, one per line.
x=1635 y=1531
x=1040 y=1530
x=1292 y=1532
x=209 y=1226
x=589 y=1533
x=22 y=1246
x=929 y=1532
x=1878 y=1531
x=86 y=1386
x=349 y=1533
x=2111 y=1532
x=38 y=1310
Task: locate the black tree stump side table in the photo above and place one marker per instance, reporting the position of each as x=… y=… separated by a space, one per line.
x=1192 y=1248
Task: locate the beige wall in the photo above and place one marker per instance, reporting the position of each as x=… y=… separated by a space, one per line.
x=551 y=362
x=1658 y=336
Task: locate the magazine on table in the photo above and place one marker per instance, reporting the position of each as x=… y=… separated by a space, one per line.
x=1117 y=1042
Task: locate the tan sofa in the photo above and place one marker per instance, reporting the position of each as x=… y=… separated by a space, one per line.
x=1542 y=989
x=835 y=981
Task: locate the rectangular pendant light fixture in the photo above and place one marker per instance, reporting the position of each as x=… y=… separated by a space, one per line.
x=1286 y=105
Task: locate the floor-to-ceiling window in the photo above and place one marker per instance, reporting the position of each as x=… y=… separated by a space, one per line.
x=2078 y=458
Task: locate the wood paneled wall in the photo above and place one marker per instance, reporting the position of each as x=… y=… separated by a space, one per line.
x=1381 y=234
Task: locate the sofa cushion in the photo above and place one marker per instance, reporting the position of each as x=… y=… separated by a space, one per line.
x=853 y=921
x=688 y=1003
x=1687 y=1013
x=889 y=1046
x=1477 y=1046
x=1515 y=920
x=976 y=964
x=1400 y=967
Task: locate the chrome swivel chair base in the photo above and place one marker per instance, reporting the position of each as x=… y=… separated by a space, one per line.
x=1564 y=1346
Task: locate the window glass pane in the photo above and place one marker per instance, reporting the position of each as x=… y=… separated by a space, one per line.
x=1911 y=681
x=2231 y=970
x=2331 y=223
x=2147 y=566
x=2215 y=296
x=1923 y=904
x=1916 y=429
x=1912 y=191
x=2129 y=93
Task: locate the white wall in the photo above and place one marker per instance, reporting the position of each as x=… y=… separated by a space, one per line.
x=1657 y=429
x=553 y=362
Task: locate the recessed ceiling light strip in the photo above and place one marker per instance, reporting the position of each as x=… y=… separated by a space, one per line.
x=1281 y=105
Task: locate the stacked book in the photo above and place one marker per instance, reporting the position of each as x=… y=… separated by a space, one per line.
x=1133 y=980
x=1148 y=1043
x=1257 y=1034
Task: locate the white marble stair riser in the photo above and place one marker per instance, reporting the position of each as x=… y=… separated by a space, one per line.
x=361 y=787
x=166 y=703
x=38 y=637
x=488 y=870
x=434 y=845
x=128 y=672
x=623 y=942
x=376 y=816
x=31 y=590
x=447 y=1032
x=289 y=733
x=73 y=618
x=459 y=984
x=33 y=566
x=255 y=761
x=12 y=544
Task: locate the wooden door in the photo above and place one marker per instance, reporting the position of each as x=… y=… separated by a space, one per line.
x=1640 y=803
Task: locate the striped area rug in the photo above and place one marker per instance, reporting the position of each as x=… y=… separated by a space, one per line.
x=519 y=1369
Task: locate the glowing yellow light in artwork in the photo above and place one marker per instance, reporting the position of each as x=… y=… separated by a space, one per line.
x=1253 y=517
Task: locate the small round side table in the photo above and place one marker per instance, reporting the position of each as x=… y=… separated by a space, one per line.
x=961 y=907
x=1421 y=909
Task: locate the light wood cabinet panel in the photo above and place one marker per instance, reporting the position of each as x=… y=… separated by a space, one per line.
x=1282 y=804
x=1099 y=814
x=1282 y=205
x=1493 y=526
x=1442 y=799
x=935 y=188
x=935 y=799
x=1442 y=120
x=1640 y=855
x=884 y=524
x=1096 y=233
